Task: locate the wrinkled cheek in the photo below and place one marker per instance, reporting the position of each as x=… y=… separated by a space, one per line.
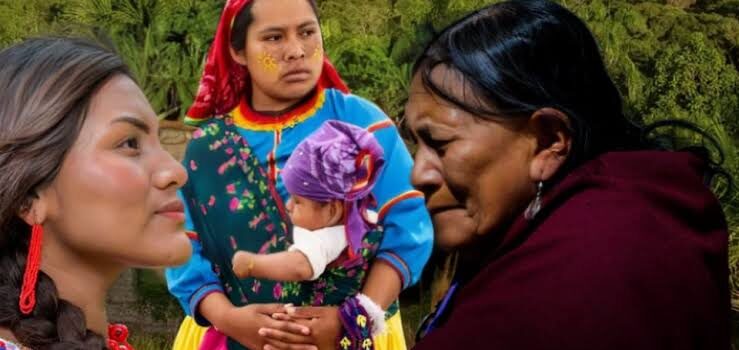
x=453 y=229
x=459 y=184
x=500 y=198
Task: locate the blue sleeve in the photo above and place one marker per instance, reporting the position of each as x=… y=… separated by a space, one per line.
x=194 y=280
x=408 y=233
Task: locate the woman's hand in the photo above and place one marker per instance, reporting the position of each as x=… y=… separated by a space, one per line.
x=247 y=325
x=383 y=286
x=323 y=321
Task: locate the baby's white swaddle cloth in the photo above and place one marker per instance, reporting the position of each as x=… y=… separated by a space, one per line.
x=322 y=246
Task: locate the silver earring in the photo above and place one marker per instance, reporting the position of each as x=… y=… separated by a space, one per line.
x=535 y=205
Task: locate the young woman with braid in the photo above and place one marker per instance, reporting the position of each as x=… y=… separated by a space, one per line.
x=86 y=191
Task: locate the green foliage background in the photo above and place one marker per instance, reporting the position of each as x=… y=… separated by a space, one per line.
x=670 y=58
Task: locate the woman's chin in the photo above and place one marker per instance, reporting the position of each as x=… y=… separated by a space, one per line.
x=179 y=252
x=297 y=90
x=174 y=251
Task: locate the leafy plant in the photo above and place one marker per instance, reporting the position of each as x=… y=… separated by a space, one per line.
x=671 y=59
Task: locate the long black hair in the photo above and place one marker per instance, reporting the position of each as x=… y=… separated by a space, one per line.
x=522 y=55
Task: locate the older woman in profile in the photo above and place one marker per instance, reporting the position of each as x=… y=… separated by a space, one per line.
x=86 y=191
x=573 y=230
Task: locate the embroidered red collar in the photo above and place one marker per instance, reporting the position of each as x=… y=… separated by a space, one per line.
x=245 y=117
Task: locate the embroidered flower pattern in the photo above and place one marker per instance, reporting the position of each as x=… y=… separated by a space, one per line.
x=238 y=212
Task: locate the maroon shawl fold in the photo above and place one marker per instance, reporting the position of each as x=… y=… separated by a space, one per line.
x=628 y=252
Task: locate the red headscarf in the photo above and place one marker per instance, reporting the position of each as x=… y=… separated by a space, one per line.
x=224 y=81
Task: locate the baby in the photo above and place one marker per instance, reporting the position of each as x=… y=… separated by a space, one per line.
x=329 y=176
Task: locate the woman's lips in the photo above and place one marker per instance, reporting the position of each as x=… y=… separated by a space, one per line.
x=296 y=75
x=176 y=216
x=444 y=208
x=174 y=210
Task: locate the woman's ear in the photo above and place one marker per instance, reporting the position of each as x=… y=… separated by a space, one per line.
x=35 y=211
x=238 y=56
x=551 y=128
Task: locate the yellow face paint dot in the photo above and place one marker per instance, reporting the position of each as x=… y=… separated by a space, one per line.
x=268 y=62
x=317 y=54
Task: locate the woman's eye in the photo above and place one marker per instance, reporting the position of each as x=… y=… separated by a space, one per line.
x=437 y=145
x=273 y=38
x=130 y=145
x=308 y=32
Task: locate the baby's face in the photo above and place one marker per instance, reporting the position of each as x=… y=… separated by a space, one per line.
x=309 y=214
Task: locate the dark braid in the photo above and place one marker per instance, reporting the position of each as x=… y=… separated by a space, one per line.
x=46 y=85
x=54 y=323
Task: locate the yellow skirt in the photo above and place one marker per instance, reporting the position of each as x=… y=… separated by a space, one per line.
x=190 y=334
x=393 y=339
